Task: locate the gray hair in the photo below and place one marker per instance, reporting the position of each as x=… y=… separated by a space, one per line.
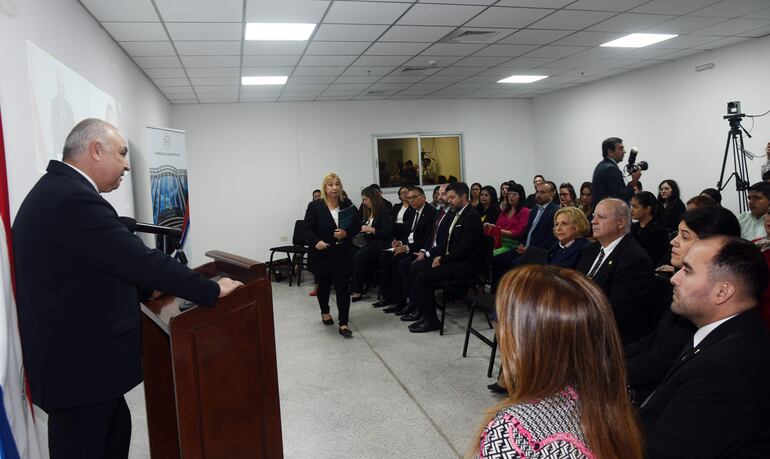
x=620 y=210
x=84 y=133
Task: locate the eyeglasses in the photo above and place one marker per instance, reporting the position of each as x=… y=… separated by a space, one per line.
x=564 y=194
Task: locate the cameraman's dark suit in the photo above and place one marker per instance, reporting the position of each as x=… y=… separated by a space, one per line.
x=608 y=182
x=625 y=276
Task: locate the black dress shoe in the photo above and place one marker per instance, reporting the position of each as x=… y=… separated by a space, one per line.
x=383 y=302
x=353 y=299
x=497 y=388
x=403 y=310
x=346 y=332
x=327 y=321
x=411 y=317
x=425 y=326
x=390 y=309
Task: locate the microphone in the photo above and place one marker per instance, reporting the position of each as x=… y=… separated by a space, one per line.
x=137 y=227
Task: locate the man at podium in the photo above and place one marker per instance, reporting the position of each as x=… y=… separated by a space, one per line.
x=79 y=272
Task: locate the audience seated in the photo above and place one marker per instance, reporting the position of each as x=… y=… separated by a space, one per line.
x=647 y=230
x=764 y=246
x=570 y=227
x=701 y=200
x=753 y=220
x=620 y=267
x=586 y=200
x=714 y=401
x=649 y=359
x=436 y=192
x=714 y=194
x=531 y=201
x=375 y=235
x=512 y=220
x=567 y=197
x=488 y=207
x=671 y=206
x=475 y=193
x=503 y=192
x=562 y=365
x=402 y=214
x=457 y=257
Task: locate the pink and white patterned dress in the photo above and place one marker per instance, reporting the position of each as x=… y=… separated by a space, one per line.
x=542 y=429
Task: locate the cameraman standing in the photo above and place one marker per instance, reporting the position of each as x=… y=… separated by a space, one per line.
x=608 y=178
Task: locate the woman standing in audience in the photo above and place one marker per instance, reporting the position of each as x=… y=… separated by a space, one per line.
x=513 y=218
x=330 y=224
x=488 y=206
x=567 y=196
x=475 y=194
x=646 y=229
x=563 y=368
x=587 y=199
x=672 y=207
x=376 y=234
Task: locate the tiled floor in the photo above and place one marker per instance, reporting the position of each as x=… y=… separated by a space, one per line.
x=386 y=393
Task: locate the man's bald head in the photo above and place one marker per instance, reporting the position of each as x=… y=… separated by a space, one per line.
x=87 y=131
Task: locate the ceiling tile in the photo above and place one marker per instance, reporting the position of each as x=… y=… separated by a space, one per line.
x=630 y=22
x=326 y=61
x=734 y=27
x=756 y=33
x=160 y=82
x=350 y=88
x=732 y=8
x=508 y=17
x=599 y=53
x=121 y=10
x=280 y=48
x=402 y=78
x=676 y=8
x=208 y=48
x=761 y=14
x=215 y=81
x=318 y=71
x=348 y=32
x=461 y=71
x=424 y=60
x=453 y=49
x=148 y=48
x=685 y=42
x=382 y=61
x=571 y=20
x=178 y=90
x=260 y=71
x=506 y=50
x=204 y=31
x=723 y=42
x=445 y=79
x=306 y=11
x=158 y=62
x=421 y=34
x=683 y=53
x=683 y=25
x=343 y=12
x=185 y=10
x=388 y=87
x=307 y=88
x=357 y=79
x=529 y=62
x=604 y=5
x=211 y=61
x=213 y=72
x=270 y=61
x=395 y=49
x=338 y=48
x=431 y=86
x=439 y=15
x=556 y=51
x=588 y=38
x=312 y=79
x=165 y=73
x=647 y=53
x=535 y=3
x=217 y=89
x=136 y=31
x=481 y=61
x=364 y=71
x=535 y=37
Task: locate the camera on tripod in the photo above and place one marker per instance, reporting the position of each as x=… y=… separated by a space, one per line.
x=632 y=165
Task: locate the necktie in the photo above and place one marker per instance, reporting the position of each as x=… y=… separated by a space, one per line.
x=598 y=263
x=451 y=227
x=414 y=222
x=436 y=227
x=539 y=214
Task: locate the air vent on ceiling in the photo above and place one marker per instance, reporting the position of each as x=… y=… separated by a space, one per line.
x=417 y=70
x=464 y=35
x=377 y=92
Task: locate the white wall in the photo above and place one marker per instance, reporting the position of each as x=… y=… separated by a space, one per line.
x=66 y=31
x=252 y=167
x=672 y=113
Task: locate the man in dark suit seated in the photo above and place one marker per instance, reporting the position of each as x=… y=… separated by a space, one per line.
x=79 y=274
x=715 y=399
x=457 y=257
x=608 y=178
x=539 y=232
x=621 y=267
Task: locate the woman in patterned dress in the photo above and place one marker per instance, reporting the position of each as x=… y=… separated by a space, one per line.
x=563 y=368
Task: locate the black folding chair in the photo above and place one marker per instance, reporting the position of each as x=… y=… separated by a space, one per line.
x=485 y=303
x=294 y=253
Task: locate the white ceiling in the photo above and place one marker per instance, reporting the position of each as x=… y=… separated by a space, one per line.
x=193 y=50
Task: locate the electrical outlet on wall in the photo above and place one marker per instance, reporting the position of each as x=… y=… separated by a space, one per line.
x=284 y=238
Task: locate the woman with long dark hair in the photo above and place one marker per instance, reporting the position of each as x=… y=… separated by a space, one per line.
x=587 y=199
x=647 y=230
x=513 y=218
x=376 y=234
x=330 y=224
x=671 y=206
x=475 y=194
x=563 y=367
x=567 y=197
x=488 y=206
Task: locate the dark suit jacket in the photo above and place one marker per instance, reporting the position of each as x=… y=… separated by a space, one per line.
x=715 y=402
x=320 y=226
x=464 y=243
x=492 y=213
x=383 y=230
x=653 y=238
x=401 y=230
x=423 y=229
x=625 y=276
x=440 y=231
x=77 y=272
x=569 y=257
x=608 y=182
x=670 y=216
x=542 y=237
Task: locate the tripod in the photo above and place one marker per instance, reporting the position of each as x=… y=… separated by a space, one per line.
x=741 y=174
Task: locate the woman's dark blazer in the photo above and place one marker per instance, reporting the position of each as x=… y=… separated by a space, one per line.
x=670 y=216
x=569 y=257
x=320 y=226
x=492 y=213
x=383 y=230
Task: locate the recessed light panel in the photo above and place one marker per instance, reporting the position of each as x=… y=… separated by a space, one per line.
x=522 y=78
x=278 y=31
x=638 y=40
x=263 y=80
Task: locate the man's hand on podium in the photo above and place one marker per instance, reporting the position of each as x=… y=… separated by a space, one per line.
x=227 y=285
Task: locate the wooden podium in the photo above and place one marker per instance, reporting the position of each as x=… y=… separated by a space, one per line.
x=210 y=378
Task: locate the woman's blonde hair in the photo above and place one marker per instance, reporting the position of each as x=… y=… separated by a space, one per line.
x=556 y=330
x=328 y=178
x=577 y=217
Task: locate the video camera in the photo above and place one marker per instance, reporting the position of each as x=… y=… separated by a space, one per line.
x=632 y=165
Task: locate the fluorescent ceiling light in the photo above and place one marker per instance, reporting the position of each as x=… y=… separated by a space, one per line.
x=255 y=80
x=277 y=31
x=522 y=78
x=638 y=40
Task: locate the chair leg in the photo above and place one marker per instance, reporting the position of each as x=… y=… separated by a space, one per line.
x=468 y=330
x=492 y=358
x=291 y=267
x=443 y=313
x=270 y=263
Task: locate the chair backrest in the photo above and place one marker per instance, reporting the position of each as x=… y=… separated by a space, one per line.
x=298 y=238
x=485 y=261
x=534 y=256
x=661 y=295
